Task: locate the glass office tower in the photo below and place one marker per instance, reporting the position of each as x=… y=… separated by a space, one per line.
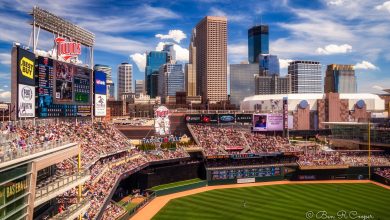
x=268 y=65
x=154 y=60
x=242 y=84
x=258 y=42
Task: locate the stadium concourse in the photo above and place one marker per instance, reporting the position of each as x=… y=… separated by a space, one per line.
x=106 y=155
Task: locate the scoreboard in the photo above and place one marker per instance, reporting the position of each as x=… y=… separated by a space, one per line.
x=223 y=174
x=64 y=90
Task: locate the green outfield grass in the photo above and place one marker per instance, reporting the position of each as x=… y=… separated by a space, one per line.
x=175 y=184
x=283 y=202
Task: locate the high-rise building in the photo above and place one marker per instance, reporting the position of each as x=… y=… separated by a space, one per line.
x=154 y=60
x=274 y=84
x=171 y=80
x=109 y=81
x=258 y=42
x=306 y=76
x=211 y=58
x=168 y=47
x=242 y=84
x=190 y=68
x=125 y=80
x=340 y=79
x=268 y=64
x=139 y=87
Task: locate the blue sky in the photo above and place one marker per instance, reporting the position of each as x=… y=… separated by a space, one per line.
x=330 y=31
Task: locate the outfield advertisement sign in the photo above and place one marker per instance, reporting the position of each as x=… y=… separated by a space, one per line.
x=26 y=67
x=100 y=83
x=246 y=180
x=100 y=105
x=26 y=99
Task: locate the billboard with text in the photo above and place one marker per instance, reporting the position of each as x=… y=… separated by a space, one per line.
x=268 y=122
x=26 y=99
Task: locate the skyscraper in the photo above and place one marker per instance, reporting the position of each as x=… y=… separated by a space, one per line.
x=268 y=65
x=211 y=58
x=139 y=87
x=340 y=79
x=170 y=80
x=110 y=82
x=154 y=60
x=258 y=42
x=125 y=79
x=272 y=84
x=242 y=84
x=306 y=76
x=190 y=68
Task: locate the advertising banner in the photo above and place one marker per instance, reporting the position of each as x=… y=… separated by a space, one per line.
x=26 y=99
x=246 y=180
x=226 y=118
x=244 y=118
x=268 y=122
x=193 y=118
x=100 y=105
x=212 y=119
x=26 y=67
x=100 y=83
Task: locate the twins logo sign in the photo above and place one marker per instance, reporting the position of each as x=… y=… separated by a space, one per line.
x=100 y=105
x=26 y=96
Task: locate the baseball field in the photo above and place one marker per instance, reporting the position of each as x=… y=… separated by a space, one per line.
x=284 y=201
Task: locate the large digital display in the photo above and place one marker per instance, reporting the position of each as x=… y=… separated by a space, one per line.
x=63 y=89
x=100 y=83
x=245 y=173
x=268 y=122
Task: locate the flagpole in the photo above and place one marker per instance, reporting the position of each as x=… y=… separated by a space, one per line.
x=369 y=150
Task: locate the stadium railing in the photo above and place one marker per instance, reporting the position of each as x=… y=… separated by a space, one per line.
x=73 y=210
x=10 y=154
x=55 y=186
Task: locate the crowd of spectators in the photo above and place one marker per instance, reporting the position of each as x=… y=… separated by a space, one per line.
x=383 y=172
x=113 y=211
x=349 y=158
x=216 y=139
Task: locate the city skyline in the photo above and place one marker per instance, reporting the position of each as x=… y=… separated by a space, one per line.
x=319 y=31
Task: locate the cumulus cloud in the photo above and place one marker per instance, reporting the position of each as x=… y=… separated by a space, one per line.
x=334 y=49
x=335 y=2
x=176 y=35
x=283 y=63
x=384 y=7
x=377 y=87
x=365 y=65
x=139 y=60
x=5 y=58
x=5 y=96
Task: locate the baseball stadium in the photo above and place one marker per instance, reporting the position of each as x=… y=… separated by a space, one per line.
x=62 y=156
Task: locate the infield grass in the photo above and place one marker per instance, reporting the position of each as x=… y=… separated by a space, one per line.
x=283 y=202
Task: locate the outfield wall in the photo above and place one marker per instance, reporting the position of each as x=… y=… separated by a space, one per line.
x=182 y=188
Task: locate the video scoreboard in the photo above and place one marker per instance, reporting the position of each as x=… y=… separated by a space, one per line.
x=64 y=90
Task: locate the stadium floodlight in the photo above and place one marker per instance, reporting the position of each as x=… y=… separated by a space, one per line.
x=54 y=24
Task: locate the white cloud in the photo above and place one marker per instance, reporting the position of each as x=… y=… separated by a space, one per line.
x=234 y=17
x=182 y=54
x=176 y=35
x=238 y=52
x=334 y=49
x=139 y=60
x=384 y=7
x=335 y=2
x=283 y=63
x=377 y=87
x=365 y=65
x=119 y=44
x=5 y=86
x=5 y=96
x=5 y=58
